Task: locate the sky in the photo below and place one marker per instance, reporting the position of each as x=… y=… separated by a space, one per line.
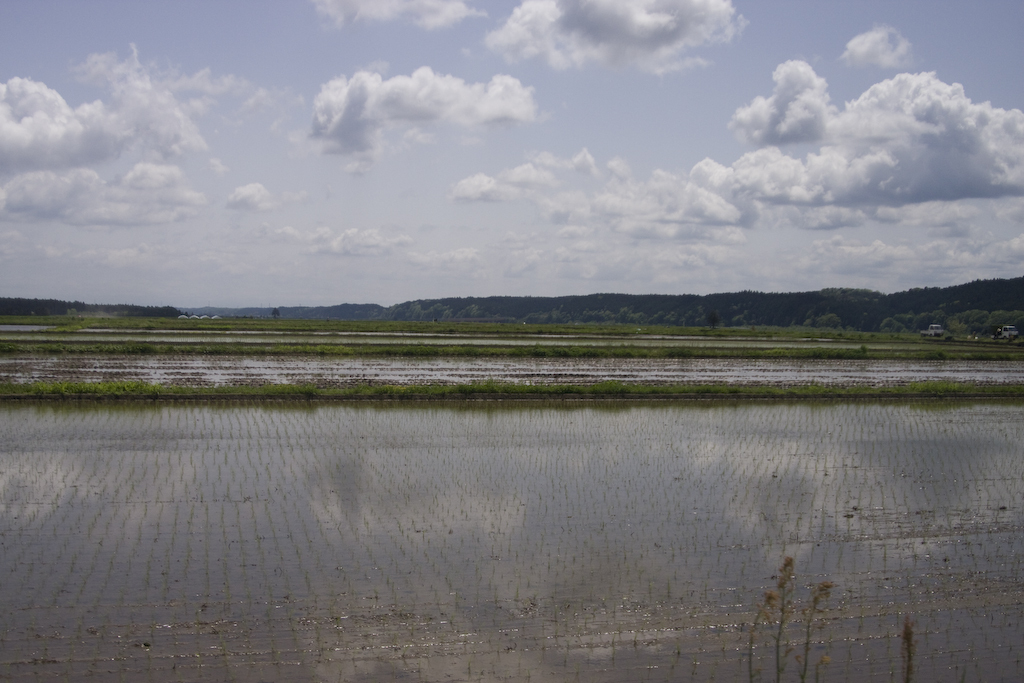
x=317 y=152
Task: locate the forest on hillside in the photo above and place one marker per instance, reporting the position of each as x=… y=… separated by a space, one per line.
x=974 y=307
x=18 y=306
x=969 y=308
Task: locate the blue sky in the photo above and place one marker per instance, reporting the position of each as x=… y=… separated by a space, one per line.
x=286 y=153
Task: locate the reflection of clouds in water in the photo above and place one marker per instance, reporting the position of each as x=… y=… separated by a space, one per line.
x=30 y=489
x=485 y=514
x=595 y=503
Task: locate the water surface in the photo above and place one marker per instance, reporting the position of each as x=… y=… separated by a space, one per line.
x=542 y=543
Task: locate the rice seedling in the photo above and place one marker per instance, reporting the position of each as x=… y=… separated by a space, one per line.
x=586 y=529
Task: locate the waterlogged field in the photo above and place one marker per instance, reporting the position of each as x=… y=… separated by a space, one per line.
x=240 y=371
x=495 y=543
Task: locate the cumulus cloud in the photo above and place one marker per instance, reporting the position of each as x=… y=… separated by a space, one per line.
x=217 y=166
x=882 y=46
x=40 y=130
x=929 y=214
x=650 y=35
x=252 y=197
x=581 y=162
x=429 y=14
x=906 y=140
x=145 y=105
x=349 y=242
x=510 y=184
x=255 y=197
x=481 y=187
x=911 y=151
x=350 y=114
x=147 y=194
x=665 y=205
x=354 y=242
x=203 y=81
x=797 y=111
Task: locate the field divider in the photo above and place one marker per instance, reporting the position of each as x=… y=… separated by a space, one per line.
x=134 y=391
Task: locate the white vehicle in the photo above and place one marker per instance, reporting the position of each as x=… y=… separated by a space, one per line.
x=1005 y=332
x=933 y=331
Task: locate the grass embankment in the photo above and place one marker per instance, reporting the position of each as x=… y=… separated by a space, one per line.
x=988 y=352
x=498 y=390
x=485 y=329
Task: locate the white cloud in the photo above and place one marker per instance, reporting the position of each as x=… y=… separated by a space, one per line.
x=619 y=168
x=354 y=242
x=350 y=114
x=481 y=187
x=528 y=175
x=584 y=162
x=581 y=162
x=252 y=197
x=882 y=46
x=145 y=106
x=909 y=139
x=217 y=166
x=260 y=99
x=148 y=194
x=39 y=130
x=911 y=151
x=203 y=81
x=464 y=259
x=649 y=35
x=513 y=183
x=929 y=214
x=666 y=205
x=429 y=14
x=349 y=242
x=797 y=111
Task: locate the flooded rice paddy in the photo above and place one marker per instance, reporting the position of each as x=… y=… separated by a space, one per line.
x=267 y=338
x=493 y=543
x=204 y=371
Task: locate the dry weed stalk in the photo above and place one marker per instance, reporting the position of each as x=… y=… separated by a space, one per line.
x=778 y=608
x=907 y=649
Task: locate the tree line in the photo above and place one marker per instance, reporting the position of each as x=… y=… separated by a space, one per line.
x=969 y=308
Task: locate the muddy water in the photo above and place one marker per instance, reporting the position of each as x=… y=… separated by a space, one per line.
x=255 y=371
x=541 y=543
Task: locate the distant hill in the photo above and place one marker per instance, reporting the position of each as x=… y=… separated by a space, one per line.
x=15 y=306
x=971 y=307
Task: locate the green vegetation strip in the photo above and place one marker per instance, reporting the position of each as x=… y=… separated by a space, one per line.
x=497 y=390
x=988 y=352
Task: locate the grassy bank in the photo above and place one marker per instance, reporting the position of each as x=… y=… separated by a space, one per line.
x=910 y=352
x=498 y=390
